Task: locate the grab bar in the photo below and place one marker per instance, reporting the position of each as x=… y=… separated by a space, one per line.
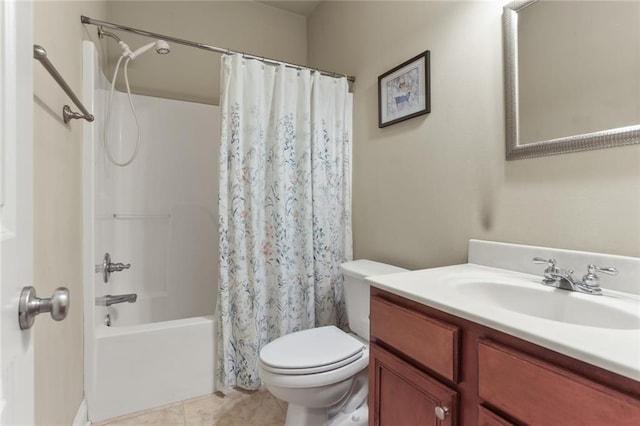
x=40 y=54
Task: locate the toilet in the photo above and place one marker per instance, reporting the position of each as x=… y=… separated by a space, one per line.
x=322 y=372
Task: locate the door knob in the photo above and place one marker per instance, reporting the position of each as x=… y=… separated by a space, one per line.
x=29 y=306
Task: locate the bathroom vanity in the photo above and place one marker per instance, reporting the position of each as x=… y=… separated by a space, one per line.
x=448 y=347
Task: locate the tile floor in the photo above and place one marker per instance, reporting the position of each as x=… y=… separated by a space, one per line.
x=238 y=408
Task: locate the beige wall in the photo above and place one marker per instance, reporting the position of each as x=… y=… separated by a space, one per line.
x=423 y=187
x=193 y=74
x=58 y=209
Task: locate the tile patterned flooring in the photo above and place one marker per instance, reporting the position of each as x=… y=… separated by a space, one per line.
x=238 y=408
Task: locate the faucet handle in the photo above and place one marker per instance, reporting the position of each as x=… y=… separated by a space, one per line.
x=549 y=278
x=592 y=269
x=591 y=282
x=550 y=262
x=551 y=265
x=118 y=267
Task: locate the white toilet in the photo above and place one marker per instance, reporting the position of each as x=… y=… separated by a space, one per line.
x=322 y=372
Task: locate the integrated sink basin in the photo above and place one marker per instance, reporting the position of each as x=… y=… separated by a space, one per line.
x=553 y=304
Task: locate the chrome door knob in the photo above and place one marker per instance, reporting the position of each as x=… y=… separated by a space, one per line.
x=441 y=412
x=30 y=305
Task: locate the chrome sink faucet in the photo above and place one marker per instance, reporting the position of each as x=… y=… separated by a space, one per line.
x=564 y=279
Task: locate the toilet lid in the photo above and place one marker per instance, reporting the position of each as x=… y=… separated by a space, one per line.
x=311 y=351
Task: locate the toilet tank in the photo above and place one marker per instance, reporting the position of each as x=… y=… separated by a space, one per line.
x=356 y=291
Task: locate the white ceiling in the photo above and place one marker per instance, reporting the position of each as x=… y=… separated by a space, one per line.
x=301 y=7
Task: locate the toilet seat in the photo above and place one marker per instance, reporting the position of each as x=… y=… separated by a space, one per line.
x=304 y=381
x=313 y=370
x=311 y=351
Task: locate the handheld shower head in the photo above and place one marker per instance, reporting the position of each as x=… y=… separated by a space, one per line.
x=161 y=46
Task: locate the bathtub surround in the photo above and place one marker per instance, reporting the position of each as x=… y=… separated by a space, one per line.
x=284 y=203
x=157 y=214
x=82 y=415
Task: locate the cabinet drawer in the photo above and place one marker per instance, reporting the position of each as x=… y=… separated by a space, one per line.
x=536 y=392
x=430 y=342
x=487 y=418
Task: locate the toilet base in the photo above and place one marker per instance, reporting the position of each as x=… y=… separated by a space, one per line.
x=304 y=416
x=298 y=415
x=351 y=410
x=360 y=417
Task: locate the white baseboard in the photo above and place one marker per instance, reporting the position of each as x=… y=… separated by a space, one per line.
x=82 y=416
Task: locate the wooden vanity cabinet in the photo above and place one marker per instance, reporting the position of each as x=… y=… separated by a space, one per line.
x=423 y=360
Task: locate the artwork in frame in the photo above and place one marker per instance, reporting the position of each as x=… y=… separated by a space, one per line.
x=404 y=91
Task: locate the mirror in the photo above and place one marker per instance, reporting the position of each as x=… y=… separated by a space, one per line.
x=572 y=76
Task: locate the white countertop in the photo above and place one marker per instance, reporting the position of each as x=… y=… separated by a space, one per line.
x=616 y=350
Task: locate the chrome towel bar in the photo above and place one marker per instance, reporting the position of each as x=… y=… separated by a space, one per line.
x=40 y=54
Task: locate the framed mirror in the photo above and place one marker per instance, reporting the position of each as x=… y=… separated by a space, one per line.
x=572 y=76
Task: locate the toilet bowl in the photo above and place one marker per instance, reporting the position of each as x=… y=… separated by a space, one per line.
x=322 y=372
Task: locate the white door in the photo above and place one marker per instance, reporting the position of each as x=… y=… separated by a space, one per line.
x=16 y=209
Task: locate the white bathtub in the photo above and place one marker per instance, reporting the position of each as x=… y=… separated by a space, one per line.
x=144 y=366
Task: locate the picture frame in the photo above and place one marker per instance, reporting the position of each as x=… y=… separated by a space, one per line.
x=404 y=92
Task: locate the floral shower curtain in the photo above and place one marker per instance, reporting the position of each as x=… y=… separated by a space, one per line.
x=285 y=209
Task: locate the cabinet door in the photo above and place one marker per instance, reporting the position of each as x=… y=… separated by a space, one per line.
x=538 y=393
x=400 y=394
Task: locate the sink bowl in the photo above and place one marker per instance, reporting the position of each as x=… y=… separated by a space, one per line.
x=554 y=304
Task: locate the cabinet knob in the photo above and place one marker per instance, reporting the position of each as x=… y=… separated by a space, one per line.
x=441 y=412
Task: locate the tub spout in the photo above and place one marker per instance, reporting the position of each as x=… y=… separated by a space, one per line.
x=109 y=300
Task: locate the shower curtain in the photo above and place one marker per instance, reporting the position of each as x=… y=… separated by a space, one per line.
x=285 y=209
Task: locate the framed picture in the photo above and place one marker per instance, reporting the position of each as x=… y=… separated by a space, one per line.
x=404 y=91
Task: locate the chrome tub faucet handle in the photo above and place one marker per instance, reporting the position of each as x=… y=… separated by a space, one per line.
x=108 y=267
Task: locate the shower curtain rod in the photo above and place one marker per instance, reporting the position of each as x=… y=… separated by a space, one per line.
x=97 y=22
